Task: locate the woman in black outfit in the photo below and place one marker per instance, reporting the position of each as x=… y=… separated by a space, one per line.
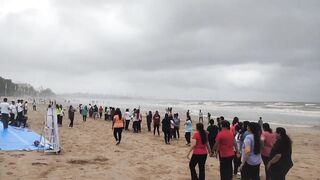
x=71 y=115
x=166 y=128
x=280 y=157
x=149 y=120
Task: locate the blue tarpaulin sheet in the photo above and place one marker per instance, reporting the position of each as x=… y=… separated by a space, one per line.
x=13 y=139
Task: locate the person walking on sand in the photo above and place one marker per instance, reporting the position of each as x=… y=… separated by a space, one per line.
x=139 y=116
x=200 y=148
x=188 y=130
x=213 y=131
x=100 y=111
x=149 y=120
x=34 y=105
x=25 y=108
x=71 y=115
x=268 y=138
x=117 y=125
x=166 y=128
x=225 y=144
x=251 y=153
x=280 y=157
x=200 y=116
x=176 y=121
x=84 y=113
x=59 y=115
x=4 y=108
x=127 y=116
x=156 y=123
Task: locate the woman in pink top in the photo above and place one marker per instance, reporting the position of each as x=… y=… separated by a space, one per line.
x=268 y=138
x=200 y=148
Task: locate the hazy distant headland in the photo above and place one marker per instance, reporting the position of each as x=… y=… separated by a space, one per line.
x=9 y=88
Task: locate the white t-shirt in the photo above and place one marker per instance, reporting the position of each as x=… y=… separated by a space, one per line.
x=4 y=108
x=127 y=115
x=13 y=108
x=20 y=109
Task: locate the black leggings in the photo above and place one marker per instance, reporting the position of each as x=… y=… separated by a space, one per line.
x=117 y=133
x=201 y=161
x=84 y=117
x=187 y=135
x=279 y=173
x=127 y=124
x=135 y=126
x=211 y=142
x=226 y=168
x=71 y=122
x=5 y=120
x=166 y=136
x=236 y=164
x=250 y=172
x=154 y=129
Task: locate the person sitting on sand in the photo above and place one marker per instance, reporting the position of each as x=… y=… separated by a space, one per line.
x=117 y=125
x=200 y=148
x=280 y=157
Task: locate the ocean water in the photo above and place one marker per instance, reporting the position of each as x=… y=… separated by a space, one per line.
x=299 y=114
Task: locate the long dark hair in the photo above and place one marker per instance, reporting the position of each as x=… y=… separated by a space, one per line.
x=202 y=132
x=266 y=127
x=255 y=130
x=284 y=138
x=235 y=120
x=118 y=112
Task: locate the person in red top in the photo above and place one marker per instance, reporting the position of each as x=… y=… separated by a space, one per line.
x=268 y=138
x=200 y=148
x=226 y=146
x=100 y=111
x=117 y=125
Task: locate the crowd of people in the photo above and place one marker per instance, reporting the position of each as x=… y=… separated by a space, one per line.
x=14 y=113
x=241 y=147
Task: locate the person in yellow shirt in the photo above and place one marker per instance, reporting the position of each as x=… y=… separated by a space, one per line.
x=117 y=125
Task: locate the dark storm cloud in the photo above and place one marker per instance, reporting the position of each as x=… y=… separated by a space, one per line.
x=258 y=49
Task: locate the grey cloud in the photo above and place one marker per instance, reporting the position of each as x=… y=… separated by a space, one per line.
x=171 y=43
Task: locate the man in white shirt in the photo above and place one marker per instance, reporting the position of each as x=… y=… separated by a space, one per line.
x=13 y=113
x=127 y=116
x=20 y=112
x=5 y=110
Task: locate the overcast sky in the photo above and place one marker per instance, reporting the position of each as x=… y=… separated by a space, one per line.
x=218 y=50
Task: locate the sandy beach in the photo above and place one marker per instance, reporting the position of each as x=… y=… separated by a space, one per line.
x=89 y=152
